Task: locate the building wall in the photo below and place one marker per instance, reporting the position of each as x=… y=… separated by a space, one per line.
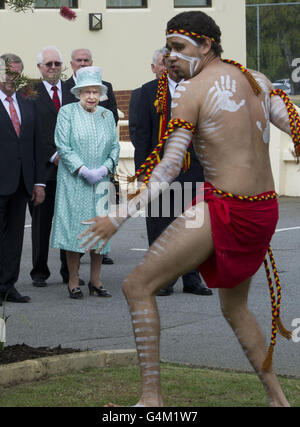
x=125 y=45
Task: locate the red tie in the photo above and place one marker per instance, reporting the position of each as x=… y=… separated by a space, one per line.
x=13 y=115
x=55 y=98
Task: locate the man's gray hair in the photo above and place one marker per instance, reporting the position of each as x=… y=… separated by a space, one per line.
x=82 y=48
x=11 y=57
x=158 y=52
x=40 y=57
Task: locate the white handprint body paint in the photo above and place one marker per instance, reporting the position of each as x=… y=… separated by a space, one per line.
x=218 y=99
x=222 y=94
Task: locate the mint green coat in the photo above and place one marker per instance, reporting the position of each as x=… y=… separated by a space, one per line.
x=88 y=139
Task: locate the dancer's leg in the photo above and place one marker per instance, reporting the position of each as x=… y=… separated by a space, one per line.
x=234 y=307
x=177 y=251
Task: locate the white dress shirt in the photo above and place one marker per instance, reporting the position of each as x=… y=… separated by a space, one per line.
x=6 y=104
x=173 y=85
x=48 y=87
x=16 y=105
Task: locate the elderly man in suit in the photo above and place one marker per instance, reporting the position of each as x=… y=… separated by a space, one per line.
x=144 y=124
x=22 y=175
x=82 y=57
x=52 y=94
x=158 y=68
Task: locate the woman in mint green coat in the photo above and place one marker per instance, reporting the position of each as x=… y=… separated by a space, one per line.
x=88 y=149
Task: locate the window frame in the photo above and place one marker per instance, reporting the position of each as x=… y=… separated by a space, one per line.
x=58 y=7
x=193 y=6
x=143 y=6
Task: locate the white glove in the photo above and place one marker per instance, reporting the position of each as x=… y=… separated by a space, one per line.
x=102 y=171
x=93 y=176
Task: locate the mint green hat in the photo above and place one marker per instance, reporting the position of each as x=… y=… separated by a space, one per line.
x=89 y=76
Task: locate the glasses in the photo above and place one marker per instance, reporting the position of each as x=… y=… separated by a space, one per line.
x=52 y=64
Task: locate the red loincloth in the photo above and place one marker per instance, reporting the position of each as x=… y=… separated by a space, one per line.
x=241 y=231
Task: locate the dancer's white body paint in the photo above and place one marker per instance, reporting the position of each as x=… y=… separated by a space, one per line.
x=194 y=61
x=222 y=92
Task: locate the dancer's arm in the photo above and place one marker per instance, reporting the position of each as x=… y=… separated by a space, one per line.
x=279 y=116
x=163 y=174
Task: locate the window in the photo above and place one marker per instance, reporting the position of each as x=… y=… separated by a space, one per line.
x=122 y=4
x=54 y=4
x=2 y=5
x=192 y=3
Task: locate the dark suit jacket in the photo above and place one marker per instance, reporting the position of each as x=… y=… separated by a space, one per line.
x=110 y=103
x=145 y=135
x=22 y=154
x=48 y=116
x=133 y=113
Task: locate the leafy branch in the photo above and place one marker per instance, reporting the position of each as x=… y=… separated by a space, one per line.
x=21 y=5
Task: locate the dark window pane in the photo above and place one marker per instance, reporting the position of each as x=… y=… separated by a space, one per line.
x=53 y=4
x=192 y=3
x=120 y=4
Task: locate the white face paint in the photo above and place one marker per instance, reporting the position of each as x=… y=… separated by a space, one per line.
x=193 y=61
x=182 y=36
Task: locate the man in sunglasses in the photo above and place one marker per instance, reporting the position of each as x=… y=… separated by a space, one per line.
x=52 y=94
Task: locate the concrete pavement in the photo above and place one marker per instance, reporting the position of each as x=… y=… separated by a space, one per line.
x=193 y=330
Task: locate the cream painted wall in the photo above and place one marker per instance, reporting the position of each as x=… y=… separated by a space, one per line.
x=124 y=47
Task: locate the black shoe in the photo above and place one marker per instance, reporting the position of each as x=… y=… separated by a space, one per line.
x=39 y=283
x=75 y=293
x=107 y=260
x=101 y=292
x=81 y=282
x=13 y=295
x=165 y=292
x=197 y=290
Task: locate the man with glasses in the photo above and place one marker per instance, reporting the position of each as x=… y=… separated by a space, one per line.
x=52 y=94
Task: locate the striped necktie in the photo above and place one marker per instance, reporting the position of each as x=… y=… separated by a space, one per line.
x=13 y=115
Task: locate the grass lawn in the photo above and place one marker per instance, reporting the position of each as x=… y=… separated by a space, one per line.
x=183 y=386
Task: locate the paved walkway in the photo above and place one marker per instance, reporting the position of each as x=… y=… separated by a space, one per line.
x=193 y=329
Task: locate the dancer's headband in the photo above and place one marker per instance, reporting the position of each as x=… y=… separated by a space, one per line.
x=189 y=34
